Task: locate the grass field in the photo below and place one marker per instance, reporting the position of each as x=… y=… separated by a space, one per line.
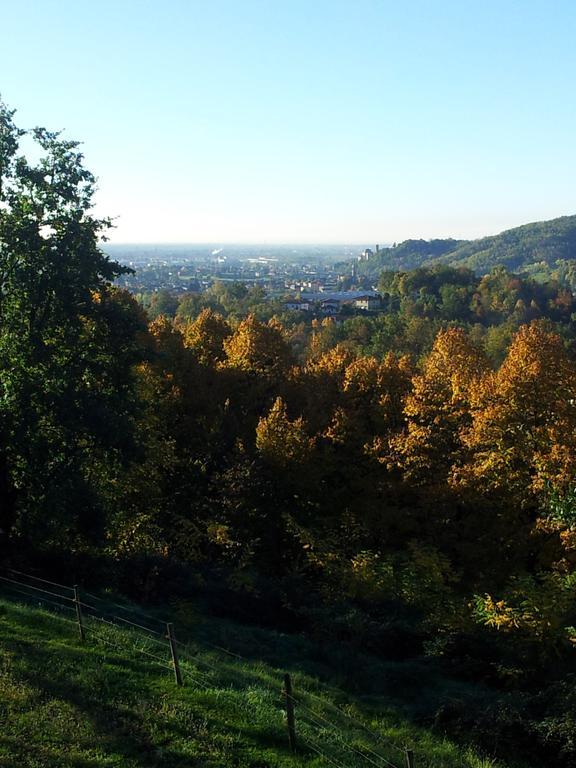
x=112 y=700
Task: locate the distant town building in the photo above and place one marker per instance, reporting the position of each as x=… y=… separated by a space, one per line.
x=297 y=305
x=368 y=303
x=367 y=253
x=330 y=307
x=330 y=303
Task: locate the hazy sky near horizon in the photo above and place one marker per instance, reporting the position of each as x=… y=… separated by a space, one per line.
x=305 y=120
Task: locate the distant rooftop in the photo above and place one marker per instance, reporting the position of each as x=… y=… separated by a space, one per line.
x=336 y=295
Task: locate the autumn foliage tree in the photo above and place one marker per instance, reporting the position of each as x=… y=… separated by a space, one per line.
x=258 y=349
x=206 y=336
x=375 y=391
x=282 y=442
x=438 y=408
x=524 y=418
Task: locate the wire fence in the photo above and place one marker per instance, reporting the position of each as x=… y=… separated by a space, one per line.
x=323 y=728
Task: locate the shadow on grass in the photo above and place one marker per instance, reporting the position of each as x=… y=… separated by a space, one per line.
x=71 y=675
x=138 y=715
x=134 y=713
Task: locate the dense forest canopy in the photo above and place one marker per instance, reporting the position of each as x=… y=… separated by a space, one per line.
x=415 y=306
x=406 y=480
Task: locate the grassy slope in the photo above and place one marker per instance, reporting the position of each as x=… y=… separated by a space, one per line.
x=63 y=703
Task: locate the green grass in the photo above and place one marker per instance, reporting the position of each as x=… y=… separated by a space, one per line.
x=104 y=703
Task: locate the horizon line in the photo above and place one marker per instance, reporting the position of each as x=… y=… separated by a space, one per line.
x=262 y=243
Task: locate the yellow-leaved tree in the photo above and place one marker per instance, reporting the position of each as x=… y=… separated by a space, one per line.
x=522 y=436
x=375 y=390
x=279 y=440
x=317 y=387
x=258 y=348
x=521 y=451
x=438 y=408
x=206 y=336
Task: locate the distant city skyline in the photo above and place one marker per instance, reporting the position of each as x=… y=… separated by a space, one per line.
x=325 y=122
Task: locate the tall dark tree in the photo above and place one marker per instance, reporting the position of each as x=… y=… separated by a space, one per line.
x=67 y=339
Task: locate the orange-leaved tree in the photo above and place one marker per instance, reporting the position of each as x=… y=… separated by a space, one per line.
x=438 y=409
x=522 y=434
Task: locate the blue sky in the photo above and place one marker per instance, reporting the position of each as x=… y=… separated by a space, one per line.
x=318 y=121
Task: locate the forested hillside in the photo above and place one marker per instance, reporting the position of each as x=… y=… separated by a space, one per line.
x=516 y=249
x=409 y=254
x=413 y=502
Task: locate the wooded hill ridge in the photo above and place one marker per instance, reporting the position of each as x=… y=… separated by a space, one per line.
x=516 y=249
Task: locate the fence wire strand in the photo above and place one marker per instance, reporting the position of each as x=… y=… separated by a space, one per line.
x=194 y=659
x=122 y=649
x=336 y=728
x=138 y=626
x=323 y=755
x=37 y=589
x=359 y=723
x=345 y=744
x=45 y=600
x=108 y=618
x=128 y=609
x=37 y=578
x=109 y=623
x=192 y=676
x=189 y=656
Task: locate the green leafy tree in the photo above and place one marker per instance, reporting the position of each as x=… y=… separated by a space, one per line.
x=163 y=303
x=67 y=341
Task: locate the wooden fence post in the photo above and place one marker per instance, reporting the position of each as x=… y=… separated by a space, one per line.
x=79 y=613
x=290 y=719
x=409 y=758
x=174 y=652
